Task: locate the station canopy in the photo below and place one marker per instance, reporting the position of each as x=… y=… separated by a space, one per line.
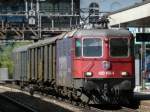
x=134 y=16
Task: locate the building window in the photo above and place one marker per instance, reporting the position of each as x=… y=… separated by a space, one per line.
x=93 y=12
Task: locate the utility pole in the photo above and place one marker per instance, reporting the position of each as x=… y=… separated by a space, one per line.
x=72 y=12
x=26 y=8
x=38 y=18
x=72 y=7
x=31 y=4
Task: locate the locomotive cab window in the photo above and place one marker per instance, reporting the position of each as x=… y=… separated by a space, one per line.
x=92 y=47
x=119 y=47
x=78 y=47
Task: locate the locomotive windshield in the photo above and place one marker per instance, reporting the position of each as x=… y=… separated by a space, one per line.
x=119 y=47
x=92 y=47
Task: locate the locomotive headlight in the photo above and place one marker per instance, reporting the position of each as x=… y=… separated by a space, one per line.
x=124 y=73
x=106 y=65
x=88 y=74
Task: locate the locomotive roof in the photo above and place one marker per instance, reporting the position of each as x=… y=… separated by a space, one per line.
x=103 y=32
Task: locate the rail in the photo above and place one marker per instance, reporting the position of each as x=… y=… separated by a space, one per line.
x=126 y=109
x=25 y=107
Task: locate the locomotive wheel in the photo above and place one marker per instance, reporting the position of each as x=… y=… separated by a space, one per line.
x=31 y=89
x=127 y=98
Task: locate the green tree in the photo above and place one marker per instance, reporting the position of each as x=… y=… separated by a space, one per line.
x=6 y=55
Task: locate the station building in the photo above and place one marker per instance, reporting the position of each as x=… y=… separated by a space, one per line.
x=53 y=13
x=39 y=17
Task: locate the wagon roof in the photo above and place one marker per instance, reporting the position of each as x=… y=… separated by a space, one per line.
x=47 y=41
x=103 y=32
x=22 y=48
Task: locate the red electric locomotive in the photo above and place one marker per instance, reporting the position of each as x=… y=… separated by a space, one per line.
x=98 y=64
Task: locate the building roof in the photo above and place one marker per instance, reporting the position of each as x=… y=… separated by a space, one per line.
x=130 y=7
x=135 y=16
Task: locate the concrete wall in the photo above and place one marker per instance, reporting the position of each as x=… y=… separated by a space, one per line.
x=137 y=72
x=3 y=74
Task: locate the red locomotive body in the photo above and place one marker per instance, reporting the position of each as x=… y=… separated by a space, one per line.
x=99 y=65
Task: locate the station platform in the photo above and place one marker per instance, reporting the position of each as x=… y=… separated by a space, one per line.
x=142 y=95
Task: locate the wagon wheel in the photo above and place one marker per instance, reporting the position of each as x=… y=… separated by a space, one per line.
x=31 y=91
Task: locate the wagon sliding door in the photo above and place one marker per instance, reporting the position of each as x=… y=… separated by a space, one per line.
x=46 y=63
x=29 y=65
x=54 y=61
x=42 y=63
x=33 y=64
x=39 y=63
x=50 y=62
x=36 y=63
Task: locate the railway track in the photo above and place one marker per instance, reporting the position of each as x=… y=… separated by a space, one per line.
x=122 y=109
x=93 y=109
x=70 y=106
x=9 y=104
x=37 y=102
x=125 y=109
x=119 y=109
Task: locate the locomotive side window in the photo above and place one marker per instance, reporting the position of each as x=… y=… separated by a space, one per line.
x=78 y=47
x=119 y=47
x=92 y=47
